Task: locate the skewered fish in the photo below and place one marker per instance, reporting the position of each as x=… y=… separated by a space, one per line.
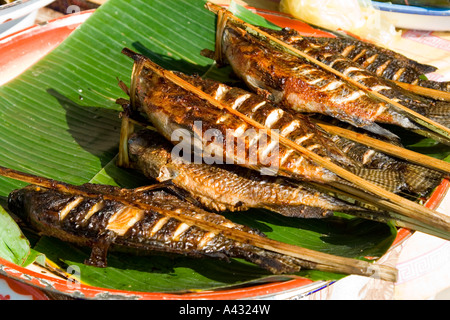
x=296 y=83
x=383 y=62
x=228 y=187
x=149 y=220
x=172 y=110
x=361 y=72
x=104 y=224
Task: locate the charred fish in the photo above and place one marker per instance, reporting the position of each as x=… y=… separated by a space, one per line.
x=296 y=83
x=104 y=224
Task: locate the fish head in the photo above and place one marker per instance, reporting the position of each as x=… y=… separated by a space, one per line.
x=16 y=203
x=28 y=203
x=150 y=152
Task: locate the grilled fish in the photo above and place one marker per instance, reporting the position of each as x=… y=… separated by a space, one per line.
x=229 y=187
x=436 y=110
x=105 y=224
x=383 y=62
x=173 y=110
x=296 y=83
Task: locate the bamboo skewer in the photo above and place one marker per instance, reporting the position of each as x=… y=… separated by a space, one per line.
x=422 y=120
x=126 y=128
x=407 y=207
x=423 y=91
x=388 y=148
x=322 y=261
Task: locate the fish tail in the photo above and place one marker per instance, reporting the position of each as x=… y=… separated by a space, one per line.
x=389 y=179
x=421 y=180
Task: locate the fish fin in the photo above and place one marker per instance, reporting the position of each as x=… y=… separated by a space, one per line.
x=98 y=257
x=272 y=261
x=377 y=129
x=421 y=180
x=439 y=112
x=389 y=179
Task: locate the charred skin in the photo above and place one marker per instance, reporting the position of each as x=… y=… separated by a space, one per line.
x=103 y=224
x=172 y=109
x=229 y=187
x=298 y=84
x=383 y=62
x=368 y=74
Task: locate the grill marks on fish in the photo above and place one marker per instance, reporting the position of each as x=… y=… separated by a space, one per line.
x=295 y=126
x=382 y=62
x=296 y=83
x=169 y=107
x=229 y=188
x=104 y=224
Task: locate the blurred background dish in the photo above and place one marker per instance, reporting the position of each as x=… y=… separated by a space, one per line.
x=18 y=15
x=414 y=17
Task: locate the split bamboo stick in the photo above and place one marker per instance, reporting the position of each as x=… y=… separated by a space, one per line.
x=423 y=91
x=388 y=148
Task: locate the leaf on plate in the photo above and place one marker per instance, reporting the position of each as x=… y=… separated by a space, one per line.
x=14 y=247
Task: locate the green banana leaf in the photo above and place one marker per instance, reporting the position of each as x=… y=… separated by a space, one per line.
x=59 y=119
x=14 y=247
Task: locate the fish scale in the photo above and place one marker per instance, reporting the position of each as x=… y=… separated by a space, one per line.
x=418 y=179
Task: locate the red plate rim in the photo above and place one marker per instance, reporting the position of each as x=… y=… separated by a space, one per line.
x=59 y=285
